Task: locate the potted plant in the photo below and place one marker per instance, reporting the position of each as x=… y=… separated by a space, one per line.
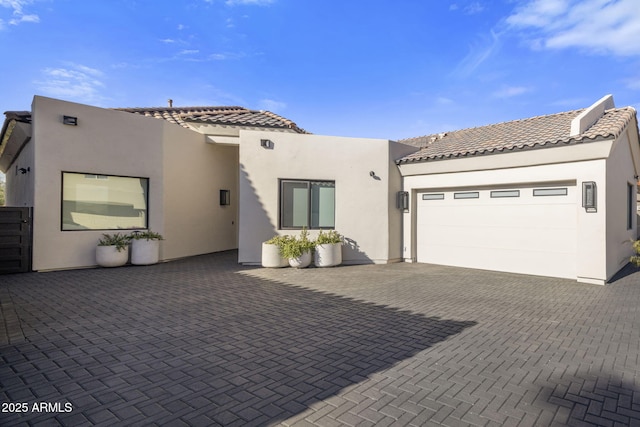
x=112 y=250
x=145 y=247
x=298 y=250
x=635 y=260
x=272 y=252
x=328 y=250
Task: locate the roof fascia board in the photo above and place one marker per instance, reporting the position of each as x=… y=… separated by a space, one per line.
x=15 y=137
x=634 y=144
x=573 y=153
x=214 y=129
x=222 y=140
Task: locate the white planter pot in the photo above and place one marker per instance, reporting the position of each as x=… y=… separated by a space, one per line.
x=271 y=257
x=145 y=252
x=302 y=261
x=108 y=256
x=328 y=255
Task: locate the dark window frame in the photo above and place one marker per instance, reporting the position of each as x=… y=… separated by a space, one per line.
x=433 y=196
x=503 y=194
x=462 y=195
x=566 y=192
x=101 y=176
x=631 y=205
x=309 y=183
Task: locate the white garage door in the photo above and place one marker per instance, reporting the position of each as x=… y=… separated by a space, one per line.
x=529 y=230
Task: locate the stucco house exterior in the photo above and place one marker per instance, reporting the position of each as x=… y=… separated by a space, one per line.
x=552 y=195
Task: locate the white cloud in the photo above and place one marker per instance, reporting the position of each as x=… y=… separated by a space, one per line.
x=470 y=9
x=226 y=56
x=479 y=52
x=74 y=82
x=511 y=91
x=272 y=105
x=441 y=100
x=633 y=83
x=18 y=13
x=474 y=8
x=597 y=26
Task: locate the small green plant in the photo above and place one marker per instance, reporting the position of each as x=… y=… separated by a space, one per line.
x=277 y=240
x=330 y=237
x=120 y=241
x=293 y=247
x=146 y=235
x=635 y=260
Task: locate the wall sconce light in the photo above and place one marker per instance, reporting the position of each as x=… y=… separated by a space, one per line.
x=69 y=120
x=402 y=200
x=225 y=197
x=589 y=196
x=266 y=143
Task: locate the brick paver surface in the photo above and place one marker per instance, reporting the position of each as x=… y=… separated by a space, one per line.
x=203 y=341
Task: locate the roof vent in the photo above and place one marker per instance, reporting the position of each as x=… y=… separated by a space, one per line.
x=588 y=117
x=170 y=101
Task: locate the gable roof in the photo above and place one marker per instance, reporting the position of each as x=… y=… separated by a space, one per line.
x=233 y=116
x=536 y=132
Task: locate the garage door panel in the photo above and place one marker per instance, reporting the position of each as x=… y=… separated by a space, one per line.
x=529 y=262
x=532 y=235
x=512 y=238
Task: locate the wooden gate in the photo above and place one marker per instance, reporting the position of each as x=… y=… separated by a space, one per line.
x=15 y=240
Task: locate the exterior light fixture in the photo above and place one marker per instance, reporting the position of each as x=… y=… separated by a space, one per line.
x=589 y=196
x=225 y=197
x=402 y=200
x=266 y=143
x=69 y=120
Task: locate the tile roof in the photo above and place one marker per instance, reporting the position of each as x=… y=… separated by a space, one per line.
x=536 y=132
x=234 y=116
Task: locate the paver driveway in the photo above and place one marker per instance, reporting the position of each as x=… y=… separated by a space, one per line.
x=203 y=341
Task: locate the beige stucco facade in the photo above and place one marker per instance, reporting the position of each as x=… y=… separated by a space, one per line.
x=184 y=173
x=186 y=166
x=602 y=238
x=366 y=182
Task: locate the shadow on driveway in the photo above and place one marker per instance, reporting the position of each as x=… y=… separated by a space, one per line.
x=194 y=341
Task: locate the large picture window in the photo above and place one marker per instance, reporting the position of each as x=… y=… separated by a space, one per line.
x=309 y=204
x=103 y=202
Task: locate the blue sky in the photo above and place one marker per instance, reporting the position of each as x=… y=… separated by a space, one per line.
x=367 y=68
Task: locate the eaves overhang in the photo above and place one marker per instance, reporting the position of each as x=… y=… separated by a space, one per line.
x=15 y=134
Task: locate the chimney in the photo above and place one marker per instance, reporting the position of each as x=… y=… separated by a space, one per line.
x=588 y=117
x=170 y=101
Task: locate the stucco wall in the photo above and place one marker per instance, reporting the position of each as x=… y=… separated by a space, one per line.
x=194 y=174
x=591 y=233
x=19 y=186
x=104 y=142
x=362 y=201
x=620 y=174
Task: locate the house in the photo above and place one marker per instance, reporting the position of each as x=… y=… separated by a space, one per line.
x=552 y=195
x=87 y=170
